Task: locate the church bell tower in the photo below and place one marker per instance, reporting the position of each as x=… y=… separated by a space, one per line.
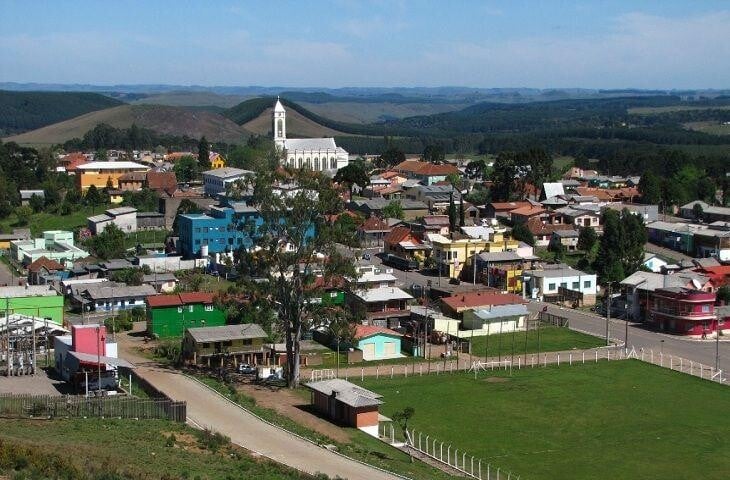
x=279 y=120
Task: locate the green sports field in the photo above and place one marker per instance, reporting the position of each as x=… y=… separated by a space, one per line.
x=548 y=339
x=623 y=419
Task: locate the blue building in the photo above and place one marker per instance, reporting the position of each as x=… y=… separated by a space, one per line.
x=227 y=228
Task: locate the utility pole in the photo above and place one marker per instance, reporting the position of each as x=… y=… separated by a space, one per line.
x=717 y=341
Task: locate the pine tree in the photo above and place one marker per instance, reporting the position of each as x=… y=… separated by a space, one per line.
x=462 y=213
x=452 y=212
x=204 y=153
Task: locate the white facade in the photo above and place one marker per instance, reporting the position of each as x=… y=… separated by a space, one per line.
x=218 y=180
x=319 y=154
x=549 y=281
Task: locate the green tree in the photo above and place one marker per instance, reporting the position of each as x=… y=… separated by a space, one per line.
x=93 y=197
x=452 y=212
x=24 y=212
x=287 y=253
x=36 y=202
x=394 y=209
x=650 y=188
x=522 y=233
x=706 y=190
x=462 y=211
x=130 y=276
x=608 y=262
x=109 y=243
x=392 y=156
x=503 y=176
x=723 y=294
x=434 y=153
x=203 y=154
x=101 y=155
x=476 y=170
x=587 y=239
x=402 y=418
x=725 y=189
x=353 y=174
x=541 y=167
x=697 y=211
x=186 y=169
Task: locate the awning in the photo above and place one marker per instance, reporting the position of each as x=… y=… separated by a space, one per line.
x=91 y=358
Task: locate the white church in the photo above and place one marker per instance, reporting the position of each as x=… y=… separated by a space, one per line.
x=321 y=154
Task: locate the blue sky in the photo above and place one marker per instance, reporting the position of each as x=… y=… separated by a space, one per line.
x=336 y=43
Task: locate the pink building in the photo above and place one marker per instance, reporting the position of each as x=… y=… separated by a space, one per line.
x=684 y=311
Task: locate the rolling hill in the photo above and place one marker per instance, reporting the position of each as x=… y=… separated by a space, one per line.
x=255 y=116
x=24 y=111
x=162 y=119
x=191 y=99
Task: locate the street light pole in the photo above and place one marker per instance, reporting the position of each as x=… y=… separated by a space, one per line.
x=608 y=313
x=717 y=341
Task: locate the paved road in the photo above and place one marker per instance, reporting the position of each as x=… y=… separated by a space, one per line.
x=702 y=351
x=207 y=409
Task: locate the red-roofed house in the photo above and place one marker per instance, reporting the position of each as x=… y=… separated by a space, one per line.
x=457 y=304
x=426 y=173
x=503 y=209
x=162 y=181
x=543 y=232
x=372 y=232
x=401 y=241
x=378 y=343
x=523 y=214
x=719 y=275
x=42 y=266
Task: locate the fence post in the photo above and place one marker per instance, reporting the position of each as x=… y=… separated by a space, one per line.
x=456 y=458
x=463 y=462
x=652 y=355
x=391 y=372
x=377 y=372
x=488 y=471
x=419 y=440
x=392 y=434
x=583 y=357
x=420 y=370
x=480 y=470
x=702 y=368
x=405 y=371
x=558 y=359
x=519 y=363
x=545 y=360
x=441 y=454
x=362 y=374
x=472 y=465
x=661 y=359
x=670 y=362
x=596 y=352
x=691 y=367
x=448 y=455
x=608 y=355
x=437 y=369
x=570 y=358
x=681 y=364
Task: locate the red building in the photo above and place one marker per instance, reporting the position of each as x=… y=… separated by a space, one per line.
x=347 y=404
x=684 y=311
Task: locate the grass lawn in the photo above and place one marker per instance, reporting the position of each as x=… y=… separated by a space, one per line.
x=146 y=237
x=107 y=448
x=570 y=258
x=552 y=339
x=623 y=419
x=362 y=446
x=42 y=221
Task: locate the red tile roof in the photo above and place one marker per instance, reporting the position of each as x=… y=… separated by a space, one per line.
x=162 y=181
x=364 y=331
x=425 y=168
x=375 y=224
x=179 y=299
x=508 y=206
x=536 y=226
x=397 y=235
x=44 y=262
x=528 y=210
x=481 y=299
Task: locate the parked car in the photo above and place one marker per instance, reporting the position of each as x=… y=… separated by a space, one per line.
x=247 y=369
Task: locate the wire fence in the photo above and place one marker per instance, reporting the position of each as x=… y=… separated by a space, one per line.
x=99 y=407
x=443 y=453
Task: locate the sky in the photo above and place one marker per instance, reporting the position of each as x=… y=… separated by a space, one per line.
x=344 y=43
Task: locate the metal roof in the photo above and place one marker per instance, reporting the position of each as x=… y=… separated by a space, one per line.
x=346 y=392
x=91 y=358
x=227 y=332
x=500 y=311
x=382 y=294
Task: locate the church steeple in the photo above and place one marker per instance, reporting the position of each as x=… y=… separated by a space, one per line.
x=279 y=123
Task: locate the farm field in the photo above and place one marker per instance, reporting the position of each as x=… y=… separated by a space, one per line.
x=551 y=339
x=624 y=419
x=108 y=448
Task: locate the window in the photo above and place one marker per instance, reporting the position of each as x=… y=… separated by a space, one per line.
x=179 y=309
x=246 y=341
x=316 y=163
x=564 y=284
x=197 y=230
x=576 y=285
x=209 y=308
x=206 y=345
x=197 y=242
x=205 y=229
x=333 y=163
x=190 y=308
x=551 y=286
x=333 y=294
x=705 y=308
x=587 y=284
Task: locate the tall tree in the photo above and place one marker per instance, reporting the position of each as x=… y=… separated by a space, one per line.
x=353 y=174
x=93 y=197
x=522 y=233
x=186 y=169
x=706 y=190
x=650 y=188
x=503 y=176
x=452 y=212
x=462 y=212
x=390 y=157
x=294 y=242
x=587 y=239
x=434 y=153
x=203 y=153
x=608 y=261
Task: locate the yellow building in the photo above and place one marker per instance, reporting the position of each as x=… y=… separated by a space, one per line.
x=454 y=251
x=216 y=160
x=103 y=174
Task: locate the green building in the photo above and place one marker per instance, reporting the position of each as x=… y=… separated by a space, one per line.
x=32 y=300
x=170 y=315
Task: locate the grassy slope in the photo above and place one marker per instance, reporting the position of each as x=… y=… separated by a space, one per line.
x=191 y=99
x=138 y=449
x=552 y=339
x=162 y=119
x=356 y=112
x=597 y=421
x=21 y=111
x=50 y=221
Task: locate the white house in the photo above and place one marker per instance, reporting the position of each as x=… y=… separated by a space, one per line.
x=218 y=180
x=560 y=283
x=654 y=263
x=123 y=217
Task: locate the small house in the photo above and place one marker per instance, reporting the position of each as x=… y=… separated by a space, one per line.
x=170 y=315
x=217 y=346
x=164 y=282
x=378 y=343
x=347 y=404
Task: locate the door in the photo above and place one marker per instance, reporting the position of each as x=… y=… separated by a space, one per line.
x=389 y=349
x=368 y=351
